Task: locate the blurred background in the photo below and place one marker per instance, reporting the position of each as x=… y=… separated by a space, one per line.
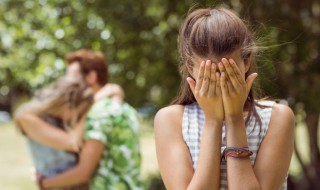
x=139 y=39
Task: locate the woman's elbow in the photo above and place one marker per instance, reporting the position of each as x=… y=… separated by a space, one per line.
x=19 y=119
x=22 y=117
x=24 y=120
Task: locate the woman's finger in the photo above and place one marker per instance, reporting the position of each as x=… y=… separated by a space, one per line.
x=224 y=78
x=206 y=78
x=237 y=72
x=218 y=86
x=233 y=81
x=192 y=84
x=250 y=80
x=212 y=85
x=223 y=83
x=200 y=77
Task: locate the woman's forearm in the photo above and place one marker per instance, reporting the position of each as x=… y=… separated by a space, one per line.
x=44 y=133
x=240 y=171
x=207 y=173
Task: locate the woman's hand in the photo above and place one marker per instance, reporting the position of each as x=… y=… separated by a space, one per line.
x=76 y=139
x=76 y=134
x=113 y=91
x=207 y=91
x=234 y=87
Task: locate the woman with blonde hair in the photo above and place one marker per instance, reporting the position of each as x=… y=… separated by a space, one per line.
x=63 y=104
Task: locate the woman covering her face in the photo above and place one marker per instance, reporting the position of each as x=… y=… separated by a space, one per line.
x=216 y=134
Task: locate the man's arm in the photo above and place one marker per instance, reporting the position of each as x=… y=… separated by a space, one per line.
x=88 y=162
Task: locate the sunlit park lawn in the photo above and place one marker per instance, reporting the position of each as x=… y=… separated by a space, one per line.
x=16 y=166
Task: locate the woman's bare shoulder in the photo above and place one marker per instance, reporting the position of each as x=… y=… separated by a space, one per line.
x=169 y=117
x=170 y=110
x=281 y=110
x=282 y=116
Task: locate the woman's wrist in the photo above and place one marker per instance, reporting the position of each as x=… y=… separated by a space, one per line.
x=234 y=120
x=213 y=121
x=236 y=152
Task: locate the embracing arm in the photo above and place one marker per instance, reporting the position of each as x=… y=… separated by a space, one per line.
x=89 y=158
x=45 y=133
x=174 y=158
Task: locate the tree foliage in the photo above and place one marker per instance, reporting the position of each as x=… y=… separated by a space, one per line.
x=138 y=38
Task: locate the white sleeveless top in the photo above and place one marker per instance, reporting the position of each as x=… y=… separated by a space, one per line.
x=192 y=125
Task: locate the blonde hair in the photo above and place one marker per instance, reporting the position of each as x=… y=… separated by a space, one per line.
x=64 y=93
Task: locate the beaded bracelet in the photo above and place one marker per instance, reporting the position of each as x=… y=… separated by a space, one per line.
x=236 y=152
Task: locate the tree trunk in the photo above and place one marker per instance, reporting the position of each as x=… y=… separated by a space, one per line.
x=312 y=120
x=311 y=179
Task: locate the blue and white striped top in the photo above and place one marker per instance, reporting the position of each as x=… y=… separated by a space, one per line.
x=192 y=126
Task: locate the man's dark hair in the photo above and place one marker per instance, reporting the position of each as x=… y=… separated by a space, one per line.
x=90 y=61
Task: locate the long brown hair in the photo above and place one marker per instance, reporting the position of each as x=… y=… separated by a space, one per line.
x=65 y=93
x=214 y=32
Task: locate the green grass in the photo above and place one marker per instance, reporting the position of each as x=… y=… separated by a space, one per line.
x=16 y=166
